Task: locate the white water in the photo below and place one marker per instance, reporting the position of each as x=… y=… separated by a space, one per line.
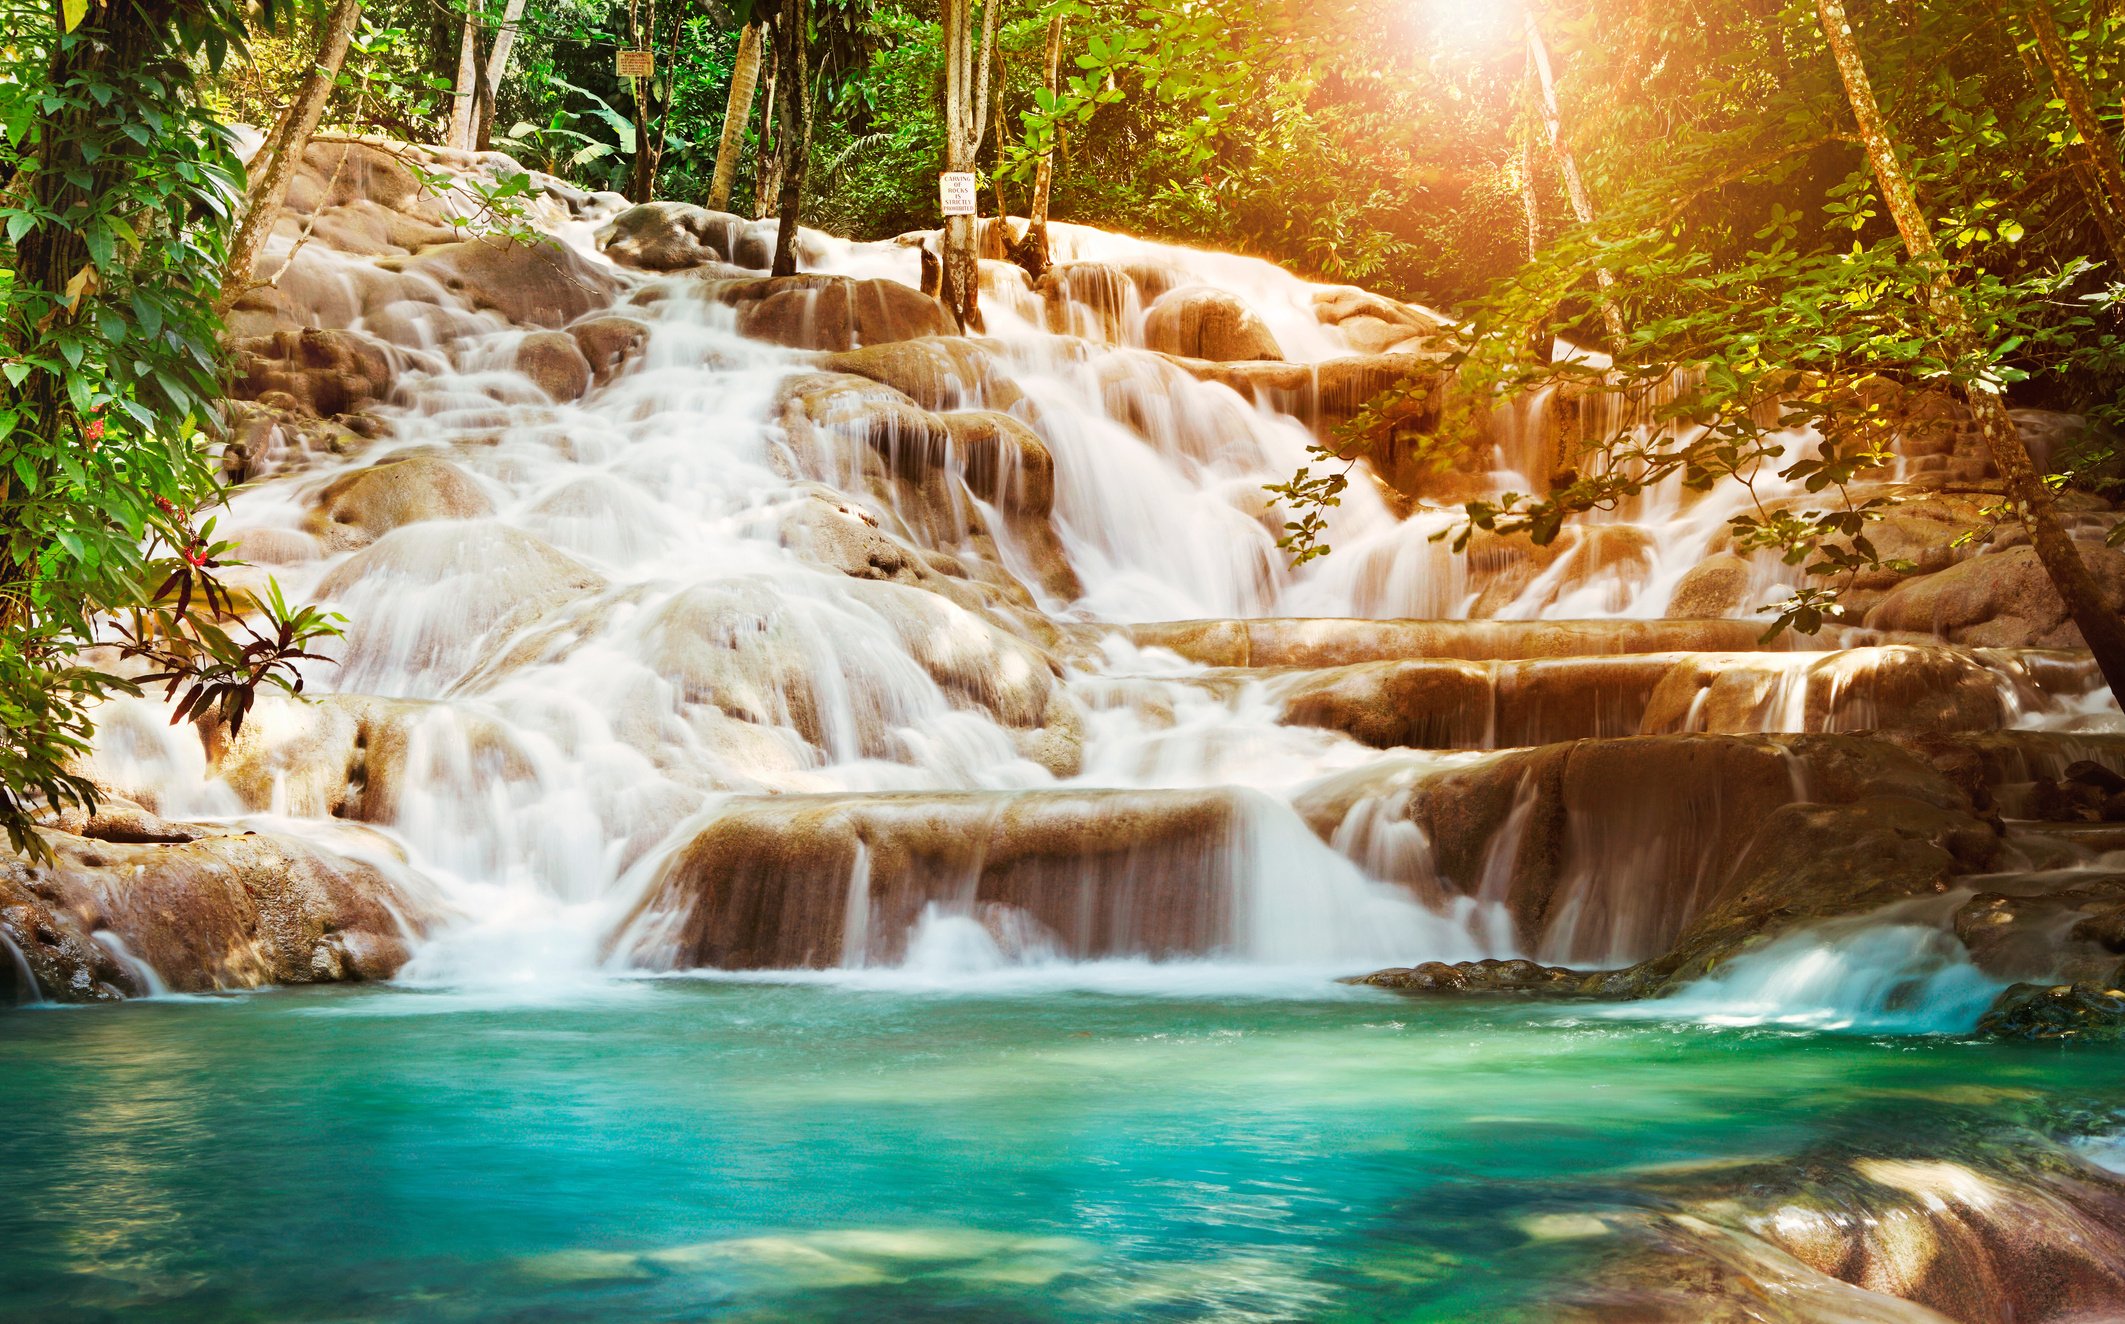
x=643 y=625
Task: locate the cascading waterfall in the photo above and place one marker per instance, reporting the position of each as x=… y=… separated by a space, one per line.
x=713 y=581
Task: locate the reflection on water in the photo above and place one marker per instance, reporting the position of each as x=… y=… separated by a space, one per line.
x=846 y=1147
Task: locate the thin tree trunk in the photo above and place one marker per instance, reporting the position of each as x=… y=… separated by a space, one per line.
x=497 y=66
x=284 y=153
x=1032 y=251
x=1540 y=342
x=649 y=123
x=1568 y=165
x=737 y=109
x=2084 y=177
x=767 y=154
x=960 y=284
x=2026 y=490
x=793 y=86
x=463 y=95
x=2102 y=153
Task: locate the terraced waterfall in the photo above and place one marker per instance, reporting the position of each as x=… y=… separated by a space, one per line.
x=944 y=710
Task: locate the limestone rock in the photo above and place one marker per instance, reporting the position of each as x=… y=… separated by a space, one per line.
x=2000 y=600
x=221 y=910
x=1716 y=586
x=671 y=236
x=607 y=343
x=555 y=362
x=766 y=882
x=830 y=312
x=358 y=507
x=1199 y=322
x=545 y=284
x=317 y=373
x=2090 y=1012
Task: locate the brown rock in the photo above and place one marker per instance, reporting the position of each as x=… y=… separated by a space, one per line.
x=545 y=284
x=1716 y=586
x=319 y=373
x=1199 y=322
x=222 y=910
x=357 y=508
x=2000 y=600
x=830 y=312
x=555 y=362
x=607 y=343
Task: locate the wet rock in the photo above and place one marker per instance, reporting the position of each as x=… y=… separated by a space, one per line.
x=949 y=373
x=555 y=363
x=1675 y=852
x=1272 y=642
x=1488 y=977
x=2091 y=1012
x=1102 y=300
x=2013 y=1228
x=671 y=236
x=317 y=373
x=360 y=506
x=1898 y=688
x=1716 y=586
x=768 y=882
x=607 y=343
x=543 y=284
x=830 y=312
x=1999 y=600
x=1199 y=322
x=220 y=910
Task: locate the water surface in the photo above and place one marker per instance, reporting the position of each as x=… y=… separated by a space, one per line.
x=835 y=1149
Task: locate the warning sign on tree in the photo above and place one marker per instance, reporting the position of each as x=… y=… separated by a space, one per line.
x=634 y=64
x=955 y=189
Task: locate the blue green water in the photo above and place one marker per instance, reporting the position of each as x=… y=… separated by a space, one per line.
x=682 y=1150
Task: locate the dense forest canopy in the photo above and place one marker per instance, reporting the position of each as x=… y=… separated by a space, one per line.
x=1746 y=214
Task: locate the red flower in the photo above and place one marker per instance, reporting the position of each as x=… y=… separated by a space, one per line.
x=195 y=555
x=165 y=505
x=92 y=431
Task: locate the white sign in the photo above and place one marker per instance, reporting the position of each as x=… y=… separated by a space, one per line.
x=956 y=191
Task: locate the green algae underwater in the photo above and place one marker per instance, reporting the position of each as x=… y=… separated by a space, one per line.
x=817 y=1149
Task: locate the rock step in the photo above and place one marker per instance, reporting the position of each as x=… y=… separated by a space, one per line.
x=1442 y=703
x=1330 y=641
x=786 y=881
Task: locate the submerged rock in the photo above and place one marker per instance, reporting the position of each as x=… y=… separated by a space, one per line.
x=2059 y=1011
x=1491 y=977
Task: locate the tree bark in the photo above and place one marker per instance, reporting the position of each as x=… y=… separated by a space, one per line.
x=793 y=88
x=497 y=66
x=767 y=155
x=1032 y=250
x=283 y=153
x=737 y=109
x=2031 y=498
x=464 y=94
x=1568 y=165
x=960 y=285
x=2101 y=152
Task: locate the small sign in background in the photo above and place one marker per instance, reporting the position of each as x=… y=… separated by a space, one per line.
x=957 y=194
x=634 y=64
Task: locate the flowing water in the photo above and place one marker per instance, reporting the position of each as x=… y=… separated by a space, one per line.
x=646 y=634
x=836 y=1148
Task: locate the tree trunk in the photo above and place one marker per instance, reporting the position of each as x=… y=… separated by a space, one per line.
x=1032 y=251
x=793 y=87
x=463 y=95
x=284 y=153
x=960 y=286
x=2084 y=177
x=2031 y=498
x=2101 y=152
x=497 y=66
x=649 y=120
x=737 y=109
x=767 y=155
x=1568 y=165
